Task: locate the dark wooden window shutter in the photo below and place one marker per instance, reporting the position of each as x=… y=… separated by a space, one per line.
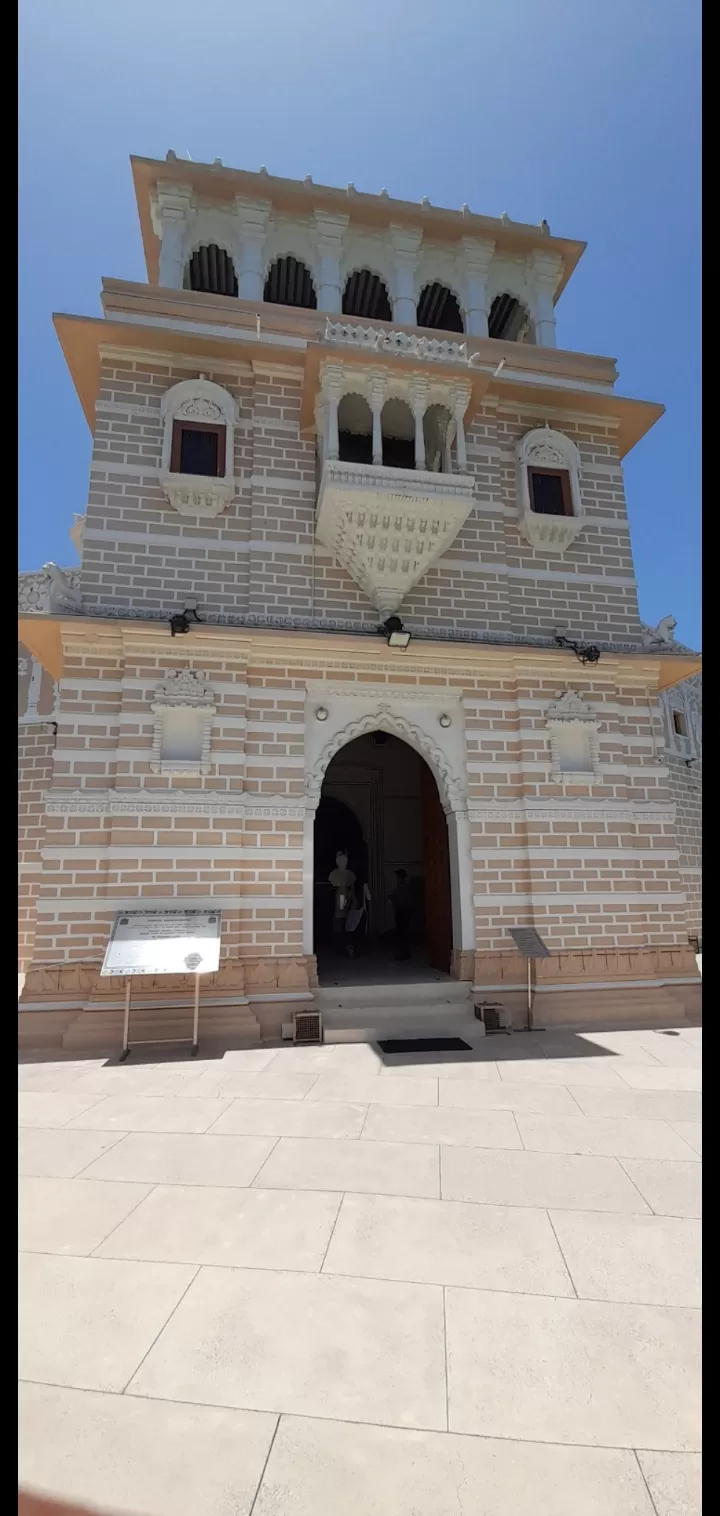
x=198 y=449
x=550 y=492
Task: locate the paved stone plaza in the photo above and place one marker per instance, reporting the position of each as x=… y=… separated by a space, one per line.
x=312 y=1281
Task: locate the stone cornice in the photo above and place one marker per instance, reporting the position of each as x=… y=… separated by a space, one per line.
x=169 y=803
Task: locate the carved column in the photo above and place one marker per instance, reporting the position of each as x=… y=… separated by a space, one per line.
x=460 y=402
x=377 y=400
x=172 y=214
x=418 y=406
x=251 y=219
x=32 y=713
x=544 y=270
x=406 y=246
x=332 y=393
x=477 y=256
x=330 y=231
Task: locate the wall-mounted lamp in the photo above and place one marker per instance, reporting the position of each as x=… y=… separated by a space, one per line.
x=180 y=624
x=586 y=652
x=395 y=633
x=321 y=713
x=445 y=720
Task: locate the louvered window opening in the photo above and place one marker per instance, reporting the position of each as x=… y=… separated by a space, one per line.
x=507 y=318
x=211 y=272
x=198 y=449
x=289 y=282
x=366 y=296
x=438 y=309
x=550 y=492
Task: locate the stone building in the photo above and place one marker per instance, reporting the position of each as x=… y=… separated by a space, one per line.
x=356 y=576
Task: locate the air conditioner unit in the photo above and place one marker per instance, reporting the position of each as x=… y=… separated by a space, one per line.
x=307 y=1026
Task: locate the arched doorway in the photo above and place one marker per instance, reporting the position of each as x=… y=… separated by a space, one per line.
x=380 y=806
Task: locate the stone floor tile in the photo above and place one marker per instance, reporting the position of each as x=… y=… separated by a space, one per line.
x=378 y=1168
x=293 y=1118
x=88 y=1322
x=437 y=1066
x=259 y=1229
x=45 y=1108
x=59 y=1152
x=71 y=1215
x=601 y=1136
x=141 y=1457
x=575 y=1371
x=351 y=1349
x=262 y=1086
x=538 y=1179
x=643 y=1260
x=640 y=1105
x=661 y=1078
x=143 y=1113
x=322 y=1468
x=465 y=1128
x=346 y=1086
x=674 y=1481
x=502 y=1096
x=671 y=1189
x=446 y=1242
x=309 y=1060
x=597 y=1072
x=691 y=1133
x=183 y=1158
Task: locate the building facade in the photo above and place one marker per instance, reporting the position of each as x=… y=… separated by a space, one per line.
x=356 y=577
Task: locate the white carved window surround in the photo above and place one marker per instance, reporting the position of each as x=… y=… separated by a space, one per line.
x=550 y=508
x=199 y=434
x=183 y=707
x=574 y=739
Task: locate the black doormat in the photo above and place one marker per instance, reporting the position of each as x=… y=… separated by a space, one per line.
x=425 y=1045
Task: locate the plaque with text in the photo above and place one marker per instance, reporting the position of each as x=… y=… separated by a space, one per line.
x=163 y=942
x=528 y=942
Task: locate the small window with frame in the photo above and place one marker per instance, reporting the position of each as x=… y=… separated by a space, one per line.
x=550 y=492
x=198 y=448
x=680 y=726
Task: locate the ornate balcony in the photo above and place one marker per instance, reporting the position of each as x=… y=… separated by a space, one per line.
x=388 y=526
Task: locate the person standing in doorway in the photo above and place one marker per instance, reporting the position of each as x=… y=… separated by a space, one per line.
x=400 y=900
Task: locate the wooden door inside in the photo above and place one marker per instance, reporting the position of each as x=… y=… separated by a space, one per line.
x=436 y=860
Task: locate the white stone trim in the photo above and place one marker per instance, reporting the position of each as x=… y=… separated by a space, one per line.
x=568 y=710
x=223 y=804
x=182 y=689
x=102 y=905
x=544 y=447
x=580 y=897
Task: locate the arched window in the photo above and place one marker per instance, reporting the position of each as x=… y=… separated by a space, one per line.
x=510 y=320
x=438 y=308
x=398 y=435
x=550 y=503
x=355 y=430
x=197 y=466
x=366 y=295
x=289 y=282
x=211 y=271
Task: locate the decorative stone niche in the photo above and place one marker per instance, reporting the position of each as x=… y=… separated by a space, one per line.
x=574 y=739
x=183 y=707
x=549 y=452
x=208 y=409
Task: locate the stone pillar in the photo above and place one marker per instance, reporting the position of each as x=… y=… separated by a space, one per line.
x=545 y=272
x=476 y=257
x=332 y=392
x=377 y=400
x=418 y=406
x=330 y=230
x=406 y=246
x=251 y=220
x=172 y=213
x=460 y=402
x=32 y=713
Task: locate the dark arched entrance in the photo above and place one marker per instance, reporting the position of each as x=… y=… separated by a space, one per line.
x=380 y=806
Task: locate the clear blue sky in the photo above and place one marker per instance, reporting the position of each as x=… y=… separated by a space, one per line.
x=582 y=111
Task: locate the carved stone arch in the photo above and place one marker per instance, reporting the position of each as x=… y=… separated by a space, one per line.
x=450 y=785
x=204 y=237
x=207 y=405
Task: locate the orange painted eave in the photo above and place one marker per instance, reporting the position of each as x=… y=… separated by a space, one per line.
x=634 y=417
x=294 y=196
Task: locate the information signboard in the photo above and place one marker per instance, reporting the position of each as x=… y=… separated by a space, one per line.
x=163 y=942
x=528 y=942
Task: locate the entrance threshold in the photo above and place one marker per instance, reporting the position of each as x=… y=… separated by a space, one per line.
x=427 y=1007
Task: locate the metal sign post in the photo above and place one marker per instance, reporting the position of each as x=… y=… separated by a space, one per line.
x=163 y=942
x=530 y=944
